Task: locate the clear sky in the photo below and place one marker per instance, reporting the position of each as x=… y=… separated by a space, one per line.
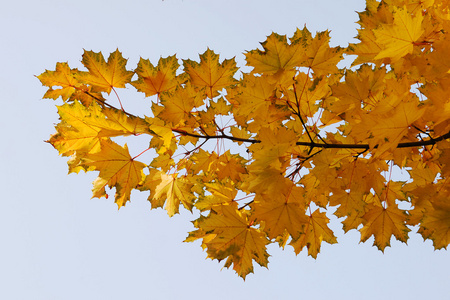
x=57 y=243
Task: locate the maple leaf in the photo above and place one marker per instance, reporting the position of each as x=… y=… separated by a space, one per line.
x=221 y=193
x=285 y=212
x=307 y=93
x=178 y=106
x=105 y=75
x=227 y=234
x=361 y=88
x=210 y=74
x=150 y=182
x=203 y=161
x=164 y=139
x=82 y=128
x=382 y=223
x=172 y=191
x=230 y=166
x=277 y=56
x=220 y=107
x=376 y=13
x=240 y=133
x=251 y=98
x=117 y=169
x=155 y=80
x=387 y=134
x=322 y=59
x=314 y=232
x=367 y=49
x=63 y=76
x=436 y=224
x=398 y=39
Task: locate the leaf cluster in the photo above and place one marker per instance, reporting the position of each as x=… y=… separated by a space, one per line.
x=307 y=139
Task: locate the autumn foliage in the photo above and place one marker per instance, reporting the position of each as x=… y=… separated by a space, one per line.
x=269 y=155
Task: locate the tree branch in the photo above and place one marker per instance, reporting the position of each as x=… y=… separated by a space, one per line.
x=428 y=142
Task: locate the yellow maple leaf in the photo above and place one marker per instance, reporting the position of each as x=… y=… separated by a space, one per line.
x=278 y=55
x=221 y=193
x=164 y=139
x=220 y=107
x=203 y=161
x=314 y=232
x=376 y=13
x=63 y=76
x=382 y=223
x=210 y=74
x=227 y=233
x=117 y=169
x=263 y=181
x=285 y=212
x=322 y=58
x=367 y=49
x=397 y=39
x=273 y=151
x=105 y=75
x=251 y=98
x=81 y=127
x=178 y=105
x=172 y=191
x=155 y=80
x=436 y=224
x=230 y=166
x=388 y=133
x=360 y=90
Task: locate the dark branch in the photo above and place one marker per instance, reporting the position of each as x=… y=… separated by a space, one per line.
x=430 y=141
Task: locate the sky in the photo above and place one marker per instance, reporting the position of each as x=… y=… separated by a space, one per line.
x=58 y=243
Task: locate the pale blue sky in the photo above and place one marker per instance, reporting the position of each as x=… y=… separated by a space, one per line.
x=57 y=243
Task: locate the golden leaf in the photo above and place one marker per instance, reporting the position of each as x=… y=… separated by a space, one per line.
x=210 y=74
x=172 y=191
x=314 y=232
x=227 y=234
x=105 y=75
x=63 y=77
x=82 y=128
x=117 y=169
x=283 y=212
x=397 y=39
x=382 y=223
x=278 y=55
x=155 y=80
